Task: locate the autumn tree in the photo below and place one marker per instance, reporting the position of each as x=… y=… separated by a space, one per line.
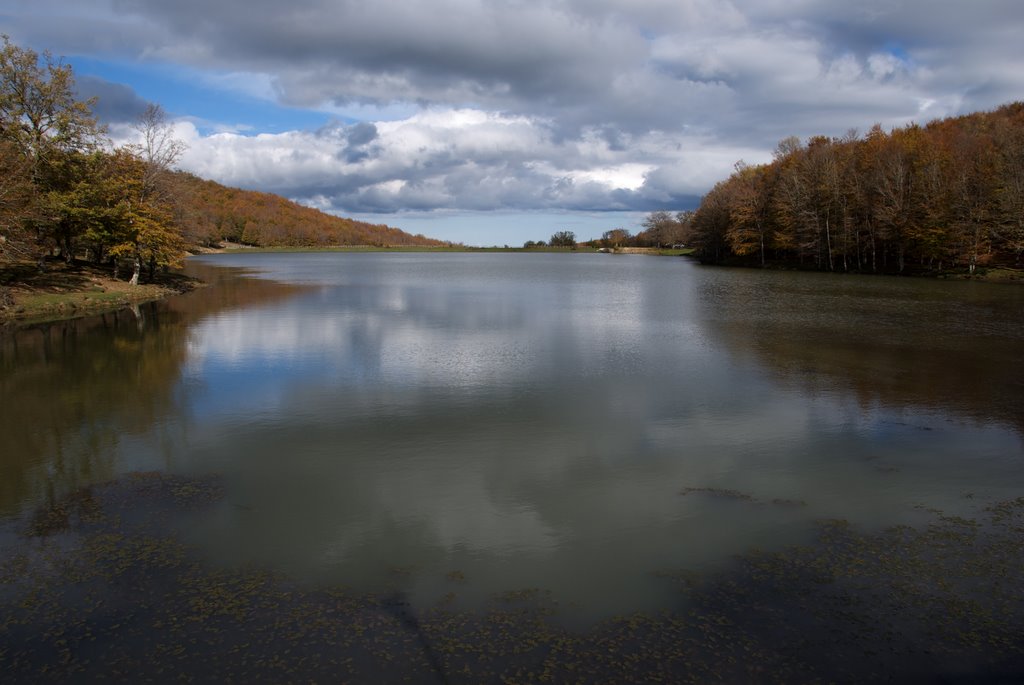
x=142 y=222
x=42 y=120
x=749 y=207
x=710 y=224
x=917 y=197
x=16 y=203
x=792 y=197
x=684 y=226
x=39 y=110
x=973 y=197
x=1008 y=139
x=155 y=241
x=616 y=237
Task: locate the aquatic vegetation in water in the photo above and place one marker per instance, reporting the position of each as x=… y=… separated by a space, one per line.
x=741 y=496
x=104 y=586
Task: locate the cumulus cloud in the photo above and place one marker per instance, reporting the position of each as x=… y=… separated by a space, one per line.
x=541 y=104
x=460 y=159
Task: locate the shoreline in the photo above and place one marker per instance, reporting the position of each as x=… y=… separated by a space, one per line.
x=63 y=291
x=69 y=291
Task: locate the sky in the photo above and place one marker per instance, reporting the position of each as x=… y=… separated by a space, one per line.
x=493 y=122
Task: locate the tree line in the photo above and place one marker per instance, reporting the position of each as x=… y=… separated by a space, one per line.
x=660 y=229
x=67 y=191
x=948 y=195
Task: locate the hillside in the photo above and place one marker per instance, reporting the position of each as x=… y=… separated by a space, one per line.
x=66 y=191
x=208 y=213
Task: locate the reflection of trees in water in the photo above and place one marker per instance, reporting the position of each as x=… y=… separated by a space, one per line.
x=72 y=390
x=960 y=354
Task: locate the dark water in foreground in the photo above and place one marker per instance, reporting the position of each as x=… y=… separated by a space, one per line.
x=568 y=422
x=450 y=427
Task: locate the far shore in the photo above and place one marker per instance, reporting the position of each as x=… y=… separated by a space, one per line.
x=227 y=248
x=62 y=291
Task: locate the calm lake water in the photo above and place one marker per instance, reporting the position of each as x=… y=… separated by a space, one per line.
x=572 y=422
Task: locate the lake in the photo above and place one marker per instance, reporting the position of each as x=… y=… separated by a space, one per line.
x=454 y=426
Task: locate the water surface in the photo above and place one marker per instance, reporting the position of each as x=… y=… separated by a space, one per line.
x=579 y=423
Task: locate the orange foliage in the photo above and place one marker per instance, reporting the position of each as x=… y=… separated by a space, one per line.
x=946 y=195
x=209 y=213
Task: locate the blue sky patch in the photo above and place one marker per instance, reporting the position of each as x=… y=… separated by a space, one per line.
x=182 y=92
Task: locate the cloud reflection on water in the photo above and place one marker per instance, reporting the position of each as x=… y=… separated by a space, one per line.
x=535 y=425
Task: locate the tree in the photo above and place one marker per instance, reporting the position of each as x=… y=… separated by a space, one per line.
x=39 y=111
x=1009 y=140
x=159 y=149
x=616 y=237
x=710 y=223
x=659 y=228
x=684 y=226
x=16 y=203
x=563 y=239
x=43 y=122
x=141 y=223
x=748 y=210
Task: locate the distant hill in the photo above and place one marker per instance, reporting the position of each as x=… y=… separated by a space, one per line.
x=208 y=213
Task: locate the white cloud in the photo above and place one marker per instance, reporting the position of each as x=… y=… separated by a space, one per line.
x=441 y=159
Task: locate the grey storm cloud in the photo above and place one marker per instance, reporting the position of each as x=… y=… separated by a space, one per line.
x=357 y=138
x=571 y=104
x=115 y=102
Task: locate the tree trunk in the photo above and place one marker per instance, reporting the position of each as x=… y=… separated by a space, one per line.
x=136 y=269
x=828 y=242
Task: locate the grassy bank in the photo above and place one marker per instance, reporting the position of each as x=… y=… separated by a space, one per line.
x=29 y=294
